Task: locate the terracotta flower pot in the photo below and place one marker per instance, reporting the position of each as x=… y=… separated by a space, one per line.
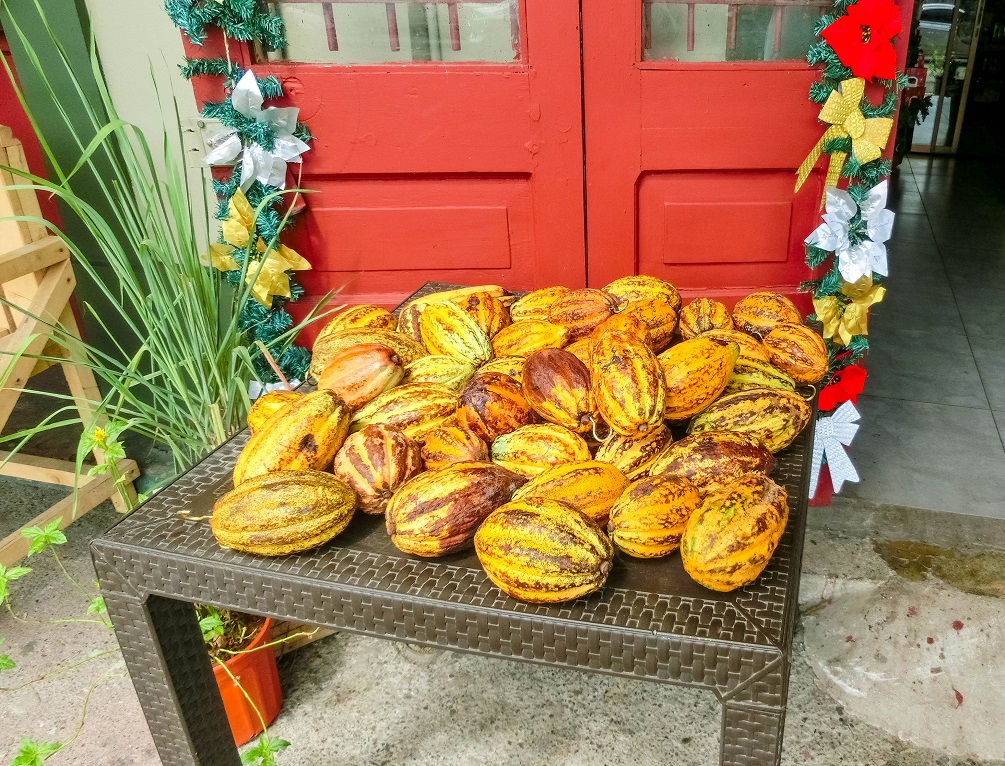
x=255 y=669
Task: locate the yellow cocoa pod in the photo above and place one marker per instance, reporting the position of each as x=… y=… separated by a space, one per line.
x=753 y=373
x=582 y=310
x=536 y=305
x=633 y=457
x=659 y=316
x=702 y=315
x=507 y=365
x=408 y=317
x=327 y=346
x=440 y=368
x=413 y=409
x=408 y=321
x=715 y=458
x=591 y=487
x=750 y=347
x=303 y=435
x=364 y=317
x=448 y=329
x=582 y=349
x=542 y=551
x=648 y=519
x=267 y=405
x=557 y=386
x=641 y=288
x=696 y=372
x=772 y=415
x=375 y=462
x=759 y=312
x=531 y=335
x=532 y=450
x=797 y=350
x=628 y=386
x=452 y=444
x=488 y=312
x=627 y=322
x=276 y=514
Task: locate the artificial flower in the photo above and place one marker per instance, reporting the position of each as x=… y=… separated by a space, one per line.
x=861 y=38
x=845 y=386
x=869 y=255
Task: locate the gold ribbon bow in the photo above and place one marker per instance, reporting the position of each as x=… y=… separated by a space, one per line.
x=853 y=319
x=843 y=113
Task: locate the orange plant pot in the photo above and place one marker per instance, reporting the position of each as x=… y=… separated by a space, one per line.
x=255 y=669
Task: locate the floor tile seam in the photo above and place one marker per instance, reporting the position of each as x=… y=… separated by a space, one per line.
x=924 y=401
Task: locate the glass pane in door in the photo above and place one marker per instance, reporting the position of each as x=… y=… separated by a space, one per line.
x=362 y=32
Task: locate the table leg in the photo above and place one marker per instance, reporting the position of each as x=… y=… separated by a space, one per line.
x=751 y=735
x=173 y=679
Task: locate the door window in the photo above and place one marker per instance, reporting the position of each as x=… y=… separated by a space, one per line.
x=729 y=30
x=359 y=32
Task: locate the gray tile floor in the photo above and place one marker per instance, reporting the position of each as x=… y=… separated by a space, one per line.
x=933 y=410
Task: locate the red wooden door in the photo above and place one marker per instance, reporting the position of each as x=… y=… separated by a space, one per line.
x=458 y=170
x=697 y=116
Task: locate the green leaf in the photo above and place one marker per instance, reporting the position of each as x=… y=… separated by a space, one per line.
x=97 y=606
x=211 y=626
x=32 y=753
x=6 y=663
x=39 y=539
x=263 y=752
x=9 y=575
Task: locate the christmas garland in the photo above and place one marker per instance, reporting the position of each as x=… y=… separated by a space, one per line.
x=260 y=141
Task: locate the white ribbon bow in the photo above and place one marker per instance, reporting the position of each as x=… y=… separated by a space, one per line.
x=257 y=162
x=832 y=435
x=870 y=254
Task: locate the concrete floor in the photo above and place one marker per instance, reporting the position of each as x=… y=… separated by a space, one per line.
x=897 y=661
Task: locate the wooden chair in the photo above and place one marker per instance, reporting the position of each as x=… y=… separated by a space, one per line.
x=36 y=276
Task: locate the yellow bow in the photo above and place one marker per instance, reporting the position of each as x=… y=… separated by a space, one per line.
x=842 y=323
x=843 y=113
x=272 y=279
x=240 y=220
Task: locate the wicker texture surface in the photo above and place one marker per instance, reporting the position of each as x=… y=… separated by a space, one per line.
x=650 y=621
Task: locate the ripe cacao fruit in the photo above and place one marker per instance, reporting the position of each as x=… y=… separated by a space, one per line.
x=759 y=312
x=276 y=514
x=452 y=444
x=642 y=288
x=702 y=315
x=533 y=449
x=542 y=551
x=413 y=409
x=488 y=312
x=441 y=369
x=628 y=323
x=648 y=519
x=411 y=313
x=408 y=321
x=752 y=373
x=582 y=349
x=591 y=487
x=536 y=305
x=750 y=347
x=531 y=335
x=658 y=316
x=448 y=329
x=797 y=350
x=360 y=373
x=303 y=435
x=582 y=310
x=557 y=386
x=375 y=462
x=715 y=458
x=364 y=317
x=507 y=365
x=437 y=512
x=267 y=405
x=493 y=404
x=695 y=373
x=326 y=347
x=634 y=456
x=729 y=540
x=773 y=415
x=628 y=386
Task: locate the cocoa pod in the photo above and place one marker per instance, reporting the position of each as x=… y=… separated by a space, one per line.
x=375 y=462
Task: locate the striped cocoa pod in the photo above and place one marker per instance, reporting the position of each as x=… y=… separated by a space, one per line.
x=507 y=365
x=411 y=313
x=642 y=288
x=364 y=317
x=267 y=405
x=772 y=415
x=648 y=519
x=408 y=321
x=633 y=457
x=797 y=350
x=531 y=335
x=326 y=347
x=448 y=329
x=303 y=435
x=375 y=462
x=452 y=444
x=414 y=409
x=582 y=349
x=702 y=315
x=488 y=312
x=628 y=323
x=557 y=386
x=695 y=373
x=759 y=312
x=543 y=552
x=750 y=347
x=628 y=384
x=536 y=305
x=360 y=373
x=659 y=317
x=276 y=514
x=729 y=540
x=493 y=404
x=582 y=310
x=440 y=368
x=591 y=487
x=437 y=512
x=533 y=449
x=713 y=459
x=752 y=373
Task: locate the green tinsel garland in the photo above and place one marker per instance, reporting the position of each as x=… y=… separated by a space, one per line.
x=242 y=20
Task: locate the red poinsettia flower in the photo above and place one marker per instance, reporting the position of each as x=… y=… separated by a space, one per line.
x=861 y=38
x=845 y=386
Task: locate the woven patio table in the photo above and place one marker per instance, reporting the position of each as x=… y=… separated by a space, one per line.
x=650 y=621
